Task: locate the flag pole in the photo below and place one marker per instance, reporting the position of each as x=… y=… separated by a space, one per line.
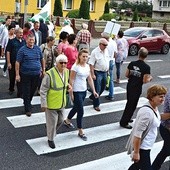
x=25 y=10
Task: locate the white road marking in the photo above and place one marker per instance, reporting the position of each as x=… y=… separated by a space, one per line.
x=71 y=140
x=164 y=76
x=39 y=118
x=118 y=161
x=17 y=102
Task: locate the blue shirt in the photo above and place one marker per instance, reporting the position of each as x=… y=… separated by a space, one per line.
x=30 y=60
x=13 y=47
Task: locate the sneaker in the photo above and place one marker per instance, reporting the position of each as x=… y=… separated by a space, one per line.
x=28 y=114
x=109 y=98
x=126 y=126
x=69 y=125
x=4 y=73
x=83 y=137
x=51 y=144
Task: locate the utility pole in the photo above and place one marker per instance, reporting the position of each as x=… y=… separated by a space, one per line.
x=25 y=10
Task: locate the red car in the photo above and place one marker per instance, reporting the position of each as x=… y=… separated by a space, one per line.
x=155 y=40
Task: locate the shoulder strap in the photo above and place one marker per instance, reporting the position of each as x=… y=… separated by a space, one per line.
x=152 y=109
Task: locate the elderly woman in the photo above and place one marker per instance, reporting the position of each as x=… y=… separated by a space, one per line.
x=165 y=133
x=144 y=132
x=53 y=96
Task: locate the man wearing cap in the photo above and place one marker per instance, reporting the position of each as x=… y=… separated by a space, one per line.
x=84 y=37
x=99 y=66
x=53 y=96
x=112 y=49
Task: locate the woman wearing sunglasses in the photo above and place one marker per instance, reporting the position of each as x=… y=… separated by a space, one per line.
x=80 y=72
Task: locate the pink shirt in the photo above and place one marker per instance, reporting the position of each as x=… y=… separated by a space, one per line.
x=72 y=54
x=62 y=46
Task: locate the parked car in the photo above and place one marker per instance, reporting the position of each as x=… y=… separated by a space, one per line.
x=155 y=40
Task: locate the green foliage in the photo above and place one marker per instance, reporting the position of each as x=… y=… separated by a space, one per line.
x=135 y=15
x=73 y=13
x=142 y=7
x=113 y=4
x=58 y=8
x=106 y=8
x=84 y=9
x=107 y=17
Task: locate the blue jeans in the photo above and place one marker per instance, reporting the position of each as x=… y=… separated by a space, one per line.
x=111 y=83
x=118 y=69
x=100 y=85
x=165 y=151
x=79 y=98
x=144 y=162
x=29 y=85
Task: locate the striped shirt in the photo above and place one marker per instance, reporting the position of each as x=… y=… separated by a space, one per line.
x=30 y=60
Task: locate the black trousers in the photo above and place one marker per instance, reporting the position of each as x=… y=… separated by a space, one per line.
x=132 y=101
x=144 y=162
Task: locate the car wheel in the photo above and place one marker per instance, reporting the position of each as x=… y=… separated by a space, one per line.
x=133 y=49
x=165 y=49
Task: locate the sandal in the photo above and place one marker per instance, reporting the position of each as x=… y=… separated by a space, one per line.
x=83 y=137
x=69 y=125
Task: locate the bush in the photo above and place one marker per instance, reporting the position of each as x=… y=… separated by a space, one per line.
x=73 y=13
x=107 y=17
x=84 y=9
x=58 y=8
x=135 y=15
x=106 y=8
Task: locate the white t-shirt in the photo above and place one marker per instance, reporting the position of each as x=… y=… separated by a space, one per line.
x=112 y=48
x=82 y=73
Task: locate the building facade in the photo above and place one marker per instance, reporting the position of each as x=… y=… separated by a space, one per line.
x=161 y=9
x=34 y=6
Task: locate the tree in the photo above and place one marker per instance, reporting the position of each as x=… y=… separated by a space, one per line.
x=58 y=8
x=106 y=8
x=84 y=10
x=135 y=15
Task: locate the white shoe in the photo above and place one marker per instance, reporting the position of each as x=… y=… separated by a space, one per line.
x=4 y=73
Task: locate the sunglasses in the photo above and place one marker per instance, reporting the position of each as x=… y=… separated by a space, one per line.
x=104 y=44
x=63 y=62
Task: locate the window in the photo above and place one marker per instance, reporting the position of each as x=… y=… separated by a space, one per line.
x=91 y=4
x=41 y=3
x=68 y=4
x=164 y=3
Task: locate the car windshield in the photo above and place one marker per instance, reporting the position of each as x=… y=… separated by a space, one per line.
x=133 y=32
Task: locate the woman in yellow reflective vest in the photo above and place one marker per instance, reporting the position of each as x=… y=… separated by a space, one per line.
x=53 y=96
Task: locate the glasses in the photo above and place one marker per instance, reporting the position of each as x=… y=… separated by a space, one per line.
x=63 y=62
x=104 y=44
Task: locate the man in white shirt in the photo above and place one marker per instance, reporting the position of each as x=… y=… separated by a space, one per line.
x=99 y=66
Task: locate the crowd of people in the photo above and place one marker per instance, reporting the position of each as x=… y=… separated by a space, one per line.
x=35 y=63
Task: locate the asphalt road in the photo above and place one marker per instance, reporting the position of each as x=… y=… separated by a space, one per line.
x=17 y=154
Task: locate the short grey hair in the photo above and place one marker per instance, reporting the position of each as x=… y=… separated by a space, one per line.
x=84 y=26
x=60 y=58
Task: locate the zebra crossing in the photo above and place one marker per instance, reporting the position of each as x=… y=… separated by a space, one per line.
x=69 y=140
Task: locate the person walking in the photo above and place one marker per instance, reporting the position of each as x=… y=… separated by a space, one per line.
x=80 y=72
x=71 y=50
x=112 y=49
x=99 y=66
x=138 y=72
x=11 y=53
x=37 y=33
x=5 y=40
x=165 y=133
x=144 y=132
x=84 y=37
x=29 y=67
x=48 y=51
x=122 y=53
x=53 y=96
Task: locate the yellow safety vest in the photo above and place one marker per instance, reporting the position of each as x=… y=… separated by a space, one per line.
x=56 y=96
